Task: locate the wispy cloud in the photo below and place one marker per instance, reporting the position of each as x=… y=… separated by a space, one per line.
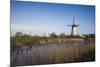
x=32 y=30
x=25 y=29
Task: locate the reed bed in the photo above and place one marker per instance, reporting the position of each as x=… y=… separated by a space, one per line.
x=50 y=54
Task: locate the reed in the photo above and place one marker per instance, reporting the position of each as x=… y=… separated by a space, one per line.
x=51 y=54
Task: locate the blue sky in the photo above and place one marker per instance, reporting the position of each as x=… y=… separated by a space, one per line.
x=45 y=18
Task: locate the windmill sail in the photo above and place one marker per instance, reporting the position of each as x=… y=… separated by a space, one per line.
x=73 y=20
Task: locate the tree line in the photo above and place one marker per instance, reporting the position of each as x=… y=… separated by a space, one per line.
x=21 y=39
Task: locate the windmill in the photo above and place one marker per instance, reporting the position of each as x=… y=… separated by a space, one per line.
x=74 y=28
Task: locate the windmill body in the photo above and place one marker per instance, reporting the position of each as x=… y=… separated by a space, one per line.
x=74 y=30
